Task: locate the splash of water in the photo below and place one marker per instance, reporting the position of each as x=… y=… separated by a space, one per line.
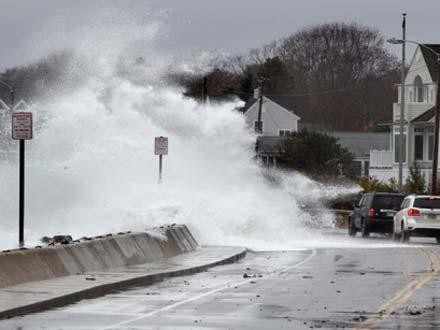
x=91 y=168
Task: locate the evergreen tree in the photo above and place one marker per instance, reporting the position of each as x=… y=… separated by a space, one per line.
x=415 y=182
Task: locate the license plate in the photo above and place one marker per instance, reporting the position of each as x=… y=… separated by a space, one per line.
x=390 y=214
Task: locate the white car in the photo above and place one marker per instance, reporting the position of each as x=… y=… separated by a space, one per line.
x=419 y=215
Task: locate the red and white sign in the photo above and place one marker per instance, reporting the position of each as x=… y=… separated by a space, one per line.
x=22 y=125
x=161 y=145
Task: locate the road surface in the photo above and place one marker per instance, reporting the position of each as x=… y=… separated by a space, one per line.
x=374 y=285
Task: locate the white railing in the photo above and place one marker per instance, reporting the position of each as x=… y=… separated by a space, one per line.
x=381 y=158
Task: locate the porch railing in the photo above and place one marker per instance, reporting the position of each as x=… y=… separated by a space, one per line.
x=381 y=158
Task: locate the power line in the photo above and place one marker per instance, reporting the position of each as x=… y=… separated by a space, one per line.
x=330 y=91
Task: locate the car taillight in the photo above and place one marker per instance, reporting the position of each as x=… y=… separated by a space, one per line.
x=413 y=212
x=371 y=213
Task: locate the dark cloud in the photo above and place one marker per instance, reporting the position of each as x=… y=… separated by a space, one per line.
x=229 y=25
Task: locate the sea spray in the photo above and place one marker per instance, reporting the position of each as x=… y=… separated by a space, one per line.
x=91 y=168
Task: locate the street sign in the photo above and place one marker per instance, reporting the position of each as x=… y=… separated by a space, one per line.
x=22 y=125
x=161 y=145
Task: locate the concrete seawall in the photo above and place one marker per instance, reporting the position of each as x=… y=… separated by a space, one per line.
x=21 y=266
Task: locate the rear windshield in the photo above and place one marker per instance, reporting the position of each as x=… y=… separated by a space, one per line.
x=426 y=203
x=387 y=202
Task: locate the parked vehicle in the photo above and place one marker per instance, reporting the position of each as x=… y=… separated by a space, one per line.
x=419 y=216
x=374 y=213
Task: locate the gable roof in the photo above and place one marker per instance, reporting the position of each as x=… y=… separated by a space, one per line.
x=285 y=102
x=21 y=106
x=360 y=143
x=431 y=59
x=424 y=117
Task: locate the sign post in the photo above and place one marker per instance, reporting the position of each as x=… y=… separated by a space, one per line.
x=160 y=149
x=21 y=130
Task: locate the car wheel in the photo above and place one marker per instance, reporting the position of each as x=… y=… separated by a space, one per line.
x=351 y=228
x=365 y=232
x=396 y=236
x=405 y=235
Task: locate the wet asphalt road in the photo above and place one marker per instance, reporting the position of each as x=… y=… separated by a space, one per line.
x=373 y=285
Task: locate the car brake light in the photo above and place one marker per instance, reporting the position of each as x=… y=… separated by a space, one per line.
x=371 y=213
x=413 y=212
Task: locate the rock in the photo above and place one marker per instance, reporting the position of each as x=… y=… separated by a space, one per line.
x=45 y=239
x=413 y=310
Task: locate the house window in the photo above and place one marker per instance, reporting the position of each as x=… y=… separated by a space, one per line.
x=418 y=147
x=285 y=132
x=397 y=148
x=256 y=126
x=419 y=90
x=430 y=146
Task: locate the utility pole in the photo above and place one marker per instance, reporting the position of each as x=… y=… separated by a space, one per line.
x=205 y=90
x=402 y=107
x=12 y=96
x=436 y=133
x=259 y=128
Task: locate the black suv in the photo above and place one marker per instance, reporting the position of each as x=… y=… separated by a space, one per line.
x=374 y=213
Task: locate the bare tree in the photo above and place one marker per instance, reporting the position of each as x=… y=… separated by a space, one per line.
x=336 y=63
x=262 y=54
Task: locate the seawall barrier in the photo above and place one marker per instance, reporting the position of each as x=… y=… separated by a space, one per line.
x=37 y=264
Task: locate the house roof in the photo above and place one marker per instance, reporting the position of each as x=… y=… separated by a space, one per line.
x=284 y=101
x=360 y=143
x=424 y=117
x=431 y=59
x=269 y=145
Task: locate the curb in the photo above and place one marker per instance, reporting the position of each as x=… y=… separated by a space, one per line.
x=101 y=290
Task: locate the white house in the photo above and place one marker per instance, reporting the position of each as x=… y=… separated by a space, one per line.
x=276 y=115
x=420 y=101
x=277 y=120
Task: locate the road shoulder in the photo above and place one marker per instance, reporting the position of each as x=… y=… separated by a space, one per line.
x=42 y=295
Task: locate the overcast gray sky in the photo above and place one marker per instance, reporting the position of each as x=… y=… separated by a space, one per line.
x=30 y=29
